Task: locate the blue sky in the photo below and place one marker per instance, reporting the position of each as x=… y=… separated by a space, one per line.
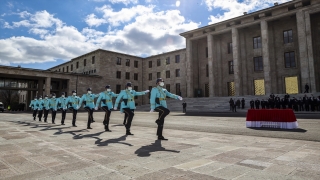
x=44 y=33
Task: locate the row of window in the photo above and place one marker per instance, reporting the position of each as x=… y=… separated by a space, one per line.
x=178 y=91
x=167 y=74
x=177 y=60
x=93 y=59
x=135 y=75
x=289 y=58
x=257 y=42
x=127 y=62
x=90 y=72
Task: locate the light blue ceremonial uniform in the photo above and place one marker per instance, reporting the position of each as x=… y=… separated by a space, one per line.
x=62 y=102
x=73 y=101
x=41 y=103
x=33 y=104
x=46 y=104
x=129 y=95
x=161 y=93
x=106 y=99
x=54 y=104
x=89 y=98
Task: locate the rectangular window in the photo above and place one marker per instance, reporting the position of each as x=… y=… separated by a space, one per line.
x=230 y=48
x=167 y=74
x=77 y=65
x=207 y=70
x=67 y=68
x=231 y=67
x=258 y=63
x=84 y=62
x=136 y=64
x=93 y=59
x=158 y=62
x=287 y=37
x=127 y=75
x=257 y=42
x=59 y=70
x=207 y=54
x=118 y=61
x=118 y=88
x=150 y=76
x=178 y=89
x=128 y=62
x=177 y=72
x=118 y=74
x=71 y=68
x=136 y=89
x=168 y=60
x=135 y=76
x=289 y=59
x=63 y=69
x=177 y=58
x=168 y=87
x=158 y=75
x=150 y=64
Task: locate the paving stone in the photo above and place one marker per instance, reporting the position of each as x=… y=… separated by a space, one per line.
x=280 y=169
x=231 y=172
x=32 y=175
x=254 y=164
x=210 y=168
x=305 y=174
x=112 y=176
x=6 y=173
x=193 y=164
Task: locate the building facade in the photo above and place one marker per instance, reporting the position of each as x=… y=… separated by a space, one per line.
x=275 y=50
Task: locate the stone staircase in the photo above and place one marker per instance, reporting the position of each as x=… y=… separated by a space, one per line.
x=215 y=104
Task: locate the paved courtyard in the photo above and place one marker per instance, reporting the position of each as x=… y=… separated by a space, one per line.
x=198 y=148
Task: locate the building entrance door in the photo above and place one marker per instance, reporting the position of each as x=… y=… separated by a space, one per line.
x=206 y=90
x=231 y=89
x=259 y=87
x=291 y=85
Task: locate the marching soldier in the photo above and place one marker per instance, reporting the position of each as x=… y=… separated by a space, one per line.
x=62 y=105
x=128 y=104
x=88 y=100
x=159 y=104
x=33 y=105
x=53 y=107
x=73 y=104
x=40 y=108
x=106 y=104
x=46 y=107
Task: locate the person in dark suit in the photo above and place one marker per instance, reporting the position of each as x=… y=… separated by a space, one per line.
x=306 y=88
x=242 y=103
x=252 y=104
x=184 y=106
x=257 y=103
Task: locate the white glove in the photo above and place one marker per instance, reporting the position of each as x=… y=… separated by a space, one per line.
x=180 y=98
x=115 y=108
x=146 y=91
x=77 y=107
x=96 y=108
x=152 y=110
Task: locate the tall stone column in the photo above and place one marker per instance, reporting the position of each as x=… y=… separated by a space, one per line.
x=266 y=56
x=236 y=61
x=40 y=87
x=210 y=66
x=189 y=68
x=47 y=86
x=305 y=50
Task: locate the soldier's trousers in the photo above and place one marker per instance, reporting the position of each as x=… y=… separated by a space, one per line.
x=34 y=114
x=106 y=117
x=45 y=115
x=163 y=112
x=126 y=117
x=74 y=116
x=40 y=114
x=130 y=115
x=53 y=115
x=63 y=115
x=90 y=116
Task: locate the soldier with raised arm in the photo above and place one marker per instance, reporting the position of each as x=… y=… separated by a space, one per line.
x=105 y=98
x=158 y=103
x=128 y=104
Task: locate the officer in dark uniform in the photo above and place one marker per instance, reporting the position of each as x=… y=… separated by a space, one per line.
x=252 y=104
x=158 y=103
x=242 y=103
x=263 y=104
x=257 y=103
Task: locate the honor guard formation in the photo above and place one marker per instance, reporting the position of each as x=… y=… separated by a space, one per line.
x=124 y=100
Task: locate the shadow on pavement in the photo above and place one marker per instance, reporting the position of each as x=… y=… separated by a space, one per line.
x=145 y=151
x=99 y=141
x=277 y=129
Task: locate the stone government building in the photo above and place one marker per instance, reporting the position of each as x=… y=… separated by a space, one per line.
x=274 y=50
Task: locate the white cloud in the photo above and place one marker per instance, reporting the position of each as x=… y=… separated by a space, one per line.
x=148 y=33
x=234 y=8
x=117 y=18
x=126 y=2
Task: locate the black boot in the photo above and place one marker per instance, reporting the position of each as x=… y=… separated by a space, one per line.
x=128 y=132
x=162 y=138
x=34 y=118
x=107 y=128
x=89 y=128
x=45 y=119
x=40 y=119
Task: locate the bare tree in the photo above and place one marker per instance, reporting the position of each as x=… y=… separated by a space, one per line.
x=9 y=97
